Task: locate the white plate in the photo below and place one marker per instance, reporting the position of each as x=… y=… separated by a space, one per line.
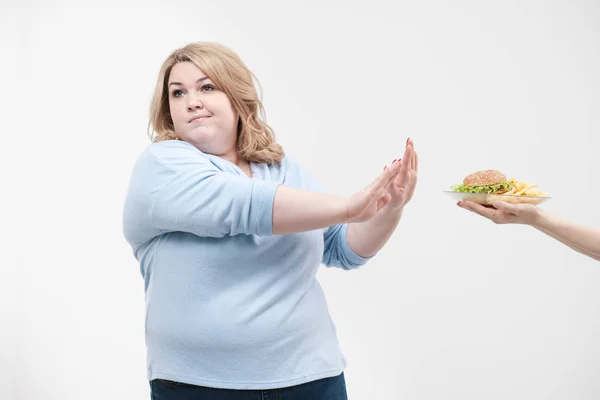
x=487 y=199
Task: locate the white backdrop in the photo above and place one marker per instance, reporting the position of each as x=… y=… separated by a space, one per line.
x=454 y=307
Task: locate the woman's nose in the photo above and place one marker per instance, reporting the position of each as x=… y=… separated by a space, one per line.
x=194 y=101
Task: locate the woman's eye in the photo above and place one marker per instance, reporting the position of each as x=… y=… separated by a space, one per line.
x=178 y=93
x=208 y=88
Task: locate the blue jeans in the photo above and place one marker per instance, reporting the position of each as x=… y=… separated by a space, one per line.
x=323 y=389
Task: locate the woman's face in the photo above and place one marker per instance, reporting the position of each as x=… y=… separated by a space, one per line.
x=202 y=115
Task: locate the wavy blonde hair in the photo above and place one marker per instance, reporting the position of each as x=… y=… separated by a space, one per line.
x=256 y=140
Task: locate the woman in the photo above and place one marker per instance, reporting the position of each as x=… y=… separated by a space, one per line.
x=229 y=232
x=580 y=238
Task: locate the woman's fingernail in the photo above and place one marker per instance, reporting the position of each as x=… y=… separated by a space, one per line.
x=407 y=141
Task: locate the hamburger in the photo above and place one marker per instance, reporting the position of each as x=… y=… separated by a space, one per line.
x=487 y=181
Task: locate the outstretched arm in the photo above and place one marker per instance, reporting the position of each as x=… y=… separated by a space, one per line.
x=582 y=239
x=176 y=188
x=367 y=238
x=296 y=210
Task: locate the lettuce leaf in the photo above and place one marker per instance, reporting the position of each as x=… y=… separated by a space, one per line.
x=502 y=186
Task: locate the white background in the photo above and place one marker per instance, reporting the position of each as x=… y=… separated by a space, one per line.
x=455 y=307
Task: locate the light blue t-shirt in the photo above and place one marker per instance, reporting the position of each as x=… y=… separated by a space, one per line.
x=229 y=304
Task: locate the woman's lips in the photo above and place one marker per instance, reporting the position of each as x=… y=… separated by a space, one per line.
x=198 y=118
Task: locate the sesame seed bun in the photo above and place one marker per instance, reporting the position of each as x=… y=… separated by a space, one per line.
x=485 y=177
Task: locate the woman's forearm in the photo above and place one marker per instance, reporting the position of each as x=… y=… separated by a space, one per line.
x=367 y=238
x=580 y=238
x=296 y=210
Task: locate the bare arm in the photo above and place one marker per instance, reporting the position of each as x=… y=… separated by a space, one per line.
x=296 y=210
x=580 y=238
x=367 y=238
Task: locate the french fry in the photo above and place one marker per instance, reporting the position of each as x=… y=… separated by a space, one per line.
x=523 y=188
x=522 y=191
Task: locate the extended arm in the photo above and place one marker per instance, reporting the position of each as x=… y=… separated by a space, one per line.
x=582 y=239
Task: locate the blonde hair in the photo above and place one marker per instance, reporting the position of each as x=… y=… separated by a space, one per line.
x=256 y=140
